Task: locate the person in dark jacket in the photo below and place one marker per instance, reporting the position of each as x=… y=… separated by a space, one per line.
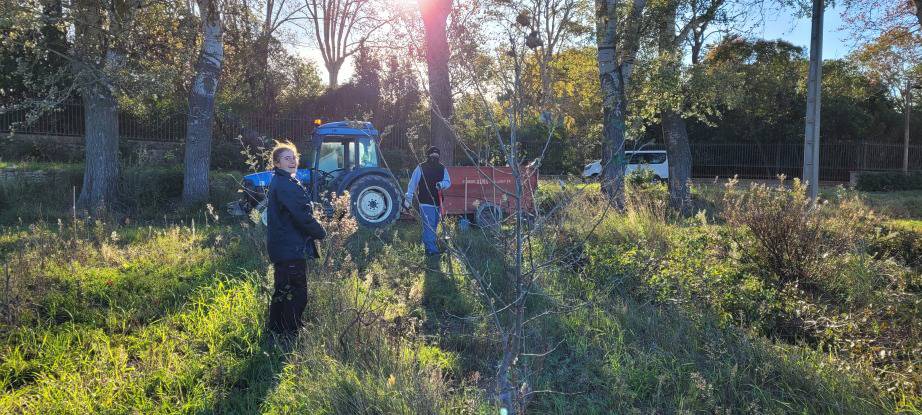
x=292 y=232
x=428 y=179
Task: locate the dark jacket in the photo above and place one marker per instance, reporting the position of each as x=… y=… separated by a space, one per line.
x=290 y=221
x=432 y=173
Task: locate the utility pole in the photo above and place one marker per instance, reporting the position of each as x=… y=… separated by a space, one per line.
x=814 y=86
x=906 y=125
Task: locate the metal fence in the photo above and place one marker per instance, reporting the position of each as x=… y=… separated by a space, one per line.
x=67 y=119
x=763 y=161
x=746 y=160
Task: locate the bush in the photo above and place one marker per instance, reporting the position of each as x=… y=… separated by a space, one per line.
x=642 y=177
x=39 y=150
x=227 y=155
x=782 y=232
x=902 y=244
x=887 y=181
x=399 y=161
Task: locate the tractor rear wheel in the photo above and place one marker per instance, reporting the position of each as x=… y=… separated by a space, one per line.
x=375 y=201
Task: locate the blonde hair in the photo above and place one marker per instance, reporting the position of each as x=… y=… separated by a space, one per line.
x=279 y=148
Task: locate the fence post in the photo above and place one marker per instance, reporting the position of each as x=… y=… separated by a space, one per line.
x=864 y=157
x=777 y=159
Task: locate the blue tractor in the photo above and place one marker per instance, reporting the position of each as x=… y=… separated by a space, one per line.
x=340 y=157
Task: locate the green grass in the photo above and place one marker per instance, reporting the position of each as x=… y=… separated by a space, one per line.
x=911 y=224
x=903 y=204
x=171 y=320
x=158 y=315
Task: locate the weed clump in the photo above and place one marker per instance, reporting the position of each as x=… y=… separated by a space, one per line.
x=780 y=229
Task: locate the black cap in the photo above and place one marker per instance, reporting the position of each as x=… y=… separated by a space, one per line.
x=433 y=149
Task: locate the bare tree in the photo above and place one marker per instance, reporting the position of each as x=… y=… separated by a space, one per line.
x=254 y=32
x=550 y=24
x=525 y=237
x=275 y=14
x=341 y=28
x=197 y=155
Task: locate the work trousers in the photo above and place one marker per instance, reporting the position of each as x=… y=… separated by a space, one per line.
x=290 y=297
x=430 y=219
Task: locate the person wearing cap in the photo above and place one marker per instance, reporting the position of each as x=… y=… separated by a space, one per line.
x=428 y=179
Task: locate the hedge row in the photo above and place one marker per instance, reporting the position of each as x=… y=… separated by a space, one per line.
x=886 y=181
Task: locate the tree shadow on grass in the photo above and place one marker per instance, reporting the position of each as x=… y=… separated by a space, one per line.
x=256 y=378
x=441 y=293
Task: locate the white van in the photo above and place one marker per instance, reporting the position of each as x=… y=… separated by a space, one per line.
x=653 y=159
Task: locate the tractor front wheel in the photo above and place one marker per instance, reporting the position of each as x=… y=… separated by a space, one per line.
x=375 y=201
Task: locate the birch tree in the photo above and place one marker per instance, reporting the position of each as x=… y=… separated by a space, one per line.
x=619 y=28
x=197 y=156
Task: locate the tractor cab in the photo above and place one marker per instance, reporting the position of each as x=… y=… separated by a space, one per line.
x=337 y=149
x=336 y=158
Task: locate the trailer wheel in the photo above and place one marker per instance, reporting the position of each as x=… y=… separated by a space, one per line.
x=488 y=214
x=375 y=201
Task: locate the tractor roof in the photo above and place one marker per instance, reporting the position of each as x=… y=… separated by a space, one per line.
x=347 y=128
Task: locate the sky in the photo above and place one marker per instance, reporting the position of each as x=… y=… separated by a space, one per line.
x=782 y=24
x=836 y=43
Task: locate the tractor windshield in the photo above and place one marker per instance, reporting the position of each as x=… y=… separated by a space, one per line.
x=332 y=156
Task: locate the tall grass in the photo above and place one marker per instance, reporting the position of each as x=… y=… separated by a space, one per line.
x=670 y=316
x=113 y=319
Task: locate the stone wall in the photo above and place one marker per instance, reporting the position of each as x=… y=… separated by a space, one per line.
x=11 y=175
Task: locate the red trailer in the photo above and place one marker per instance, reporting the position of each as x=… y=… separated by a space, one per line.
x=479 y=191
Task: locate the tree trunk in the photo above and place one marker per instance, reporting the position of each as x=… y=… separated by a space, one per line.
x=197 y=156
x=333 y=70
x=435 y=13
x=94 y=63
x=101 y=170
x=614 y=100
x=679 y=153
x=675 y=131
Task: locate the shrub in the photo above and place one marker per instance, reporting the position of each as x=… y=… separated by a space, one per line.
x=902 y=244
x=641 y=177
x=39 y=150
x=886 y=181
x=398 y=161
x=227 y=155
x=781 y=231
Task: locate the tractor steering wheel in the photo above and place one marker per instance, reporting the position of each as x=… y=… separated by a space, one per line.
x=327 y=175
